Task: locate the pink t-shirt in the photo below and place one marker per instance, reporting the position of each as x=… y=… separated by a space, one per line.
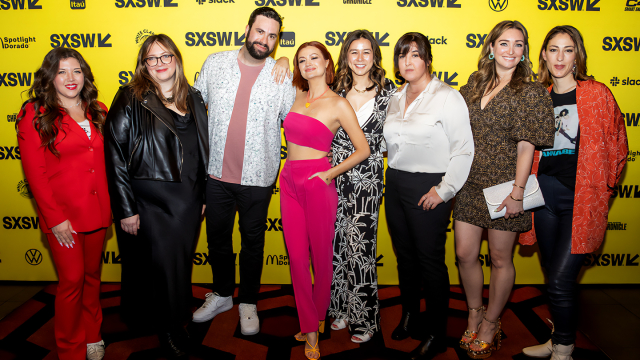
x=236 y=133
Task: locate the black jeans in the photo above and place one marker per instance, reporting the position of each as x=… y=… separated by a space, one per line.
x=252 y=203
x=553 y=225
x=419 y=238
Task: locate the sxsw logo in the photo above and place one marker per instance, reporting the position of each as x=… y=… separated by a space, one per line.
x=442 y=76
x=571 y=5
x=287 y=39
x=124 y=77
x=145 y=3
x=110 y=257
x=15 y=79
x=20 y=222
x=9 y=152
x=624 y=82
x=80 y=40
x=20 y=5
x=287 y=2
x=632 y=118
x=203 y=258
x=277 y=260
x=427 y=3
x=498 y=5
x=616 y=226
x=336 y=38
x=475 y=40
x=273 y=224
x=627 y=191
x=214 y=38
x=77 y=5
x=611 y=260
x=632 y=5
x=610 y=43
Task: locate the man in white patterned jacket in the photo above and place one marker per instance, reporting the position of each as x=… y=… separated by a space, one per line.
x=246 y=109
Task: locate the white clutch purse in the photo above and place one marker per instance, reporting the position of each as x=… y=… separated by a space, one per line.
x=496 y=194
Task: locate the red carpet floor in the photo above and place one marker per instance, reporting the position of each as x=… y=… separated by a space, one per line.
x=27 y=333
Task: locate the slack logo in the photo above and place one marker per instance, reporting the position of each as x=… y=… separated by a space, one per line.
x=287 y=39
x=80 y=40
x=623 y=82
x=610 y=43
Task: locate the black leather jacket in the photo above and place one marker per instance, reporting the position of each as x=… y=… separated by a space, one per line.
x=141 y=142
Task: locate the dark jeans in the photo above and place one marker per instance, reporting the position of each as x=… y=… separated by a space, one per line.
x=252 y=203
x=553 y=230
x=419 y=238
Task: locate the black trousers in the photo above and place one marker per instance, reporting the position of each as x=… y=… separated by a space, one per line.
x=252 y=203
x=419 y=238
x=553 y=225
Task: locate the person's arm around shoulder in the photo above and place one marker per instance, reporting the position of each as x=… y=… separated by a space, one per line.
x=201 y=82
x=117 y=156
x=349 y=122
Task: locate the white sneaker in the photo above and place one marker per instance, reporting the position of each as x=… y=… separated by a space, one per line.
x=95 y=351
x=249 y=322
x=213 y=305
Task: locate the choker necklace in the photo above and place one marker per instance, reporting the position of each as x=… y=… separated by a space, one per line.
x=169 y=100
x=312 y=100
x=363 y=91
x=69 y=107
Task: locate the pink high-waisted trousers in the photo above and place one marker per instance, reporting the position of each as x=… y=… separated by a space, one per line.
x=308 y=220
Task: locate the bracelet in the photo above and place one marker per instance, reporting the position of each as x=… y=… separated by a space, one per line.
x=515 y=185
x=514 y=199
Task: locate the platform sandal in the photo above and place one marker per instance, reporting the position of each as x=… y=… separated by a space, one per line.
x=486 y=348
x=468 y=334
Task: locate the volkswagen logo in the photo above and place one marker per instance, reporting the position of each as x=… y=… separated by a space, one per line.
x=33 y=256
x=498 y=5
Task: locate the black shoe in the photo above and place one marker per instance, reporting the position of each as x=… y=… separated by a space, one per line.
x=173 y=346
x=403 y=330
x=429 y=348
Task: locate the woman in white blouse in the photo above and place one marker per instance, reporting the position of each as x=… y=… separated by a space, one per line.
x=430 y=150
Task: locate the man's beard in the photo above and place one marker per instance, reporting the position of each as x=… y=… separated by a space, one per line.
x=255 y=53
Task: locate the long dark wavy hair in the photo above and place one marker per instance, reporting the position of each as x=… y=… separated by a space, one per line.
x=580 y=73
x=142 y=82
x=43 y=95
x=487 y=76
x=344 y=78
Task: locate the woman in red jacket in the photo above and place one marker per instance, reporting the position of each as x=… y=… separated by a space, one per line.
x=61 y=143
x=577 y=177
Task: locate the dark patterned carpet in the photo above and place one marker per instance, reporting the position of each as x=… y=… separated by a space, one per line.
x=27 y=333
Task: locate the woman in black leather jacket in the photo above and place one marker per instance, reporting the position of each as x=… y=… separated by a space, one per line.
x=156 y=154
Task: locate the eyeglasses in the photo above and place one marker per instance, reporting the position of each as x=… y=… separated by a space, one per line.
x=153 y=60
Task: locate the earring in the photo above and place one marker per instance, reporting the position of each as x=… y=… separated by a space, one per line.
x=491 y=56
x=522 y=58
x=574 y=69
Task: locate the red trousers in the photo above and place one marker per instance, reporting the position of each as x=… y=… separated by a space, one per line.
x=78 y=314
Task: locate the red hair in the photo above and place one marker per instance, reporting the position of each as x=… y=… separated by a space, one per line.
x=300 y=82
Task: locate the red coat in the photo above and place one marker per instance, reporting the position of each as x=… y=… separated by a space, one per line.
x=602 y=156
x=72 y=187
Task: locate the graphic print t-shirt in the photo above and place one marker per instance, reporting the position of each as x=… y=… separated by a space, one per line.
x=561 y=161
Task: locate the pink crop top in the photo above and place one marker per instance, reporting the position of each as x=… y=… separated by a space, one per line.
x=306 y=131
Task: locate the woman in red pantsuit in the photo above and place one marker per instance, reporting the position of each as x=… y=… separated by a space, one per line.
x=61 y=143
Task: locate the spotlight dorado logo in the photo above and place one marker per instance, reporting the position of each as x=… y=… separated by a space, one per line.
x=20 y=42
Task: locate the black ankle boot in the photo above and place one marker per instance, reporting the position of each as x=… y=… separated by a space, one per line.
x=429 y=348
x=403 y=330
x=173 y=344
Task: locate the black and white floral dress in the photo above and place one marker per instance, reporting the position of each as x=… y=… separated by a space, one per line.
x=354 y=289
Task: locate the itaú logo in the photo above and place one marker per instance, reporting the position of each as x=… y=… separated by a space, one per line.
x=33 y=257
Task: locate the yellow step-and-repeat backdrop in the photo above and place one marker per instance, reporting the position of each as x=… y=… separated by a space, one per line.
x=108 y=34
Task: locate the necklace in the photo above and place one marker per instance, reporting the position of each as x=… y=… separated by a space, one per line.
x=312 y=100
x=360 y=91
x=69 y=107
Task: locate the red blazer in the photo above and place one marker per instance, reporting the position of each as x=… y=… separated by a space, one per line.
x=602 y=156
x=72 y=187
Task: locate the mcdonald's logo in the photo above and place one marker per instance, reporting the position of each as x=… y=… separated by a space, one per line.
x=33 y=256
x=498 y=5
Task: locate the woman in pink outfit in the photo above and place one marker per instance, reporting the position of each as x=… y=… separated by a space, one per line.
x=308 y=199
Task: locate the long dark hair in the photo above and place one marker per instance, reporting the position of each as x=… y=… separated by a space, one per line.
x=43 y=94
x=302 y=83
x=142 y=82
x=344 y=78
x=580 y=73
x=487 y=75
